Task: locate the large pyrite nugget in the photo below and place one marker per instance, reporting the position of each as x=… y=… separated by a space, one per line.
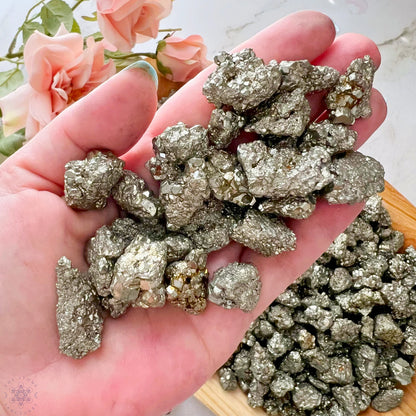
x=78 y=312
x=285 y=171
x=241 y=80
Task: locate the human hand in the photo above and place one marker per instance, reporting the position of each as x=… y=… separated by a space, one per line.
x=149 y=360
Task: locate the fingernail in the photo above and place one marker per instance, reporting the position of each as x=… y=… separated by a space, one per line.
x=146 y=67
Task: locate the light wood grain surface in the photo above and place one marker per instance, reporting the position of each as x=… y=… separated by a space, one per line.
x=222 y=403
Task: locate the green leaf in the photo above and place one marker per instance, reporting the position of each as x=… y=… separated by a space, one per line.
x=54 y=13
x=75 y=27
x=29 y=27
x=92 y=18
x=9 y=144
x=10 y=80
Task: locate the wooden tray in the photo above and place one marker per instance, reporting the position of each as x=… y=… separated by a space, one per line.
x=234 y=403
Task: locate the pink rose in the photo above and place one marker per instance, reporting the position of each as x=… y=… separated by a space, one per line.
x=60 y=71
x=181 y=59
x=124 y=23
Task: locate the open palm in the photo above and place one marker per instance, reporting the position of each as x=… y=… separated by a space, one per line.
x=149 y=359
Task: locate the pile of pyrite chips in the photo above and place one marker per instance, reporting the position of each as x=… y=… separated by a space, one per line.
x=209 y=195
x=343 y=336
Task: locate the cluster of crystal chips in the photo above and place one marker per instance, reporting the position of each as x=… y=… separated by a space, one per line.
x=343 y=336
x=209 y=195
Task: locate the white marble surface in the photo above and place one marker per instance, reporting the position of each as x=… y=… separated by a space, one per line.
x=391 y=24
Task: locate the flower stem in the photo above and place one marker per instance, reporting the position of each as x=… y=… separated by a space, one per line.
x=14 y=40
x=178 y=29
x=130 y=55
x=77 y=4
x=13 y=61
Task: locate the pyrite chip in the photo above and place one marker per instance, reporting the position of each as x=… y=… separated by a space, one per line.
x=224 y=127
x=351 y=399
x=182 y=197
x=291 y=207
x=264 y=235
x=356 y=177
x=301 y=74
x=227 y=179
x=387 y=400
x=132 y=195
x=306 y=397
x=88 y=182
x=336 y=138
x=187 y=282
x=162 y=169
x=236 y=285
x=180 y=143
x=78 y=312
x=284 y=172
x=401 y=371
x=210 y=227
x=228 y=379
x=285 y=114
x=350 y=97
x=385 y=329
x=140 y=267
x=178 y=246
x=241 y=80
x=151 y=298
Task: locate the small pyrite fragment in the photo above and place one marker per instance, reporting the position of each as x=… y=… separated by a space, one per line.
x=336 y=138
x=287 y=114
x=235 y=286
x=306 y=397
x=187 y=282
x=132 y=195
x=350 y=97
x=78 y=312
x=88 y=182
x=291 y=207
x=140 y=267
x=210 y=227
x=178 y=246
x=401 y=371
x=180 y=143
x=224 y=127
x=263 y=234
x=183 y=196
x=356 y=177
x=227 y=378
x=301 y=74
x=227 y=179
x=387 y=400
x=241 y=80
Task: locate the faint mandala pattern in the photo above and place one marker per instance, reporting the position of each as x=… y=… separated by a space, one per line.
x=20 y=396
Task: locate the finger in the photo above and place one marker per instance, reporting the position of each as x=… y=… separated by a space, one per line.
x=365 y=127
x=113 y=117
x=339 y=55
x=289 y=38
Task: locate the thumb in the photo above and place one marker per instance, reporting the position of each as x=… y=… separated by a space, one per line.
x=113 y=116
